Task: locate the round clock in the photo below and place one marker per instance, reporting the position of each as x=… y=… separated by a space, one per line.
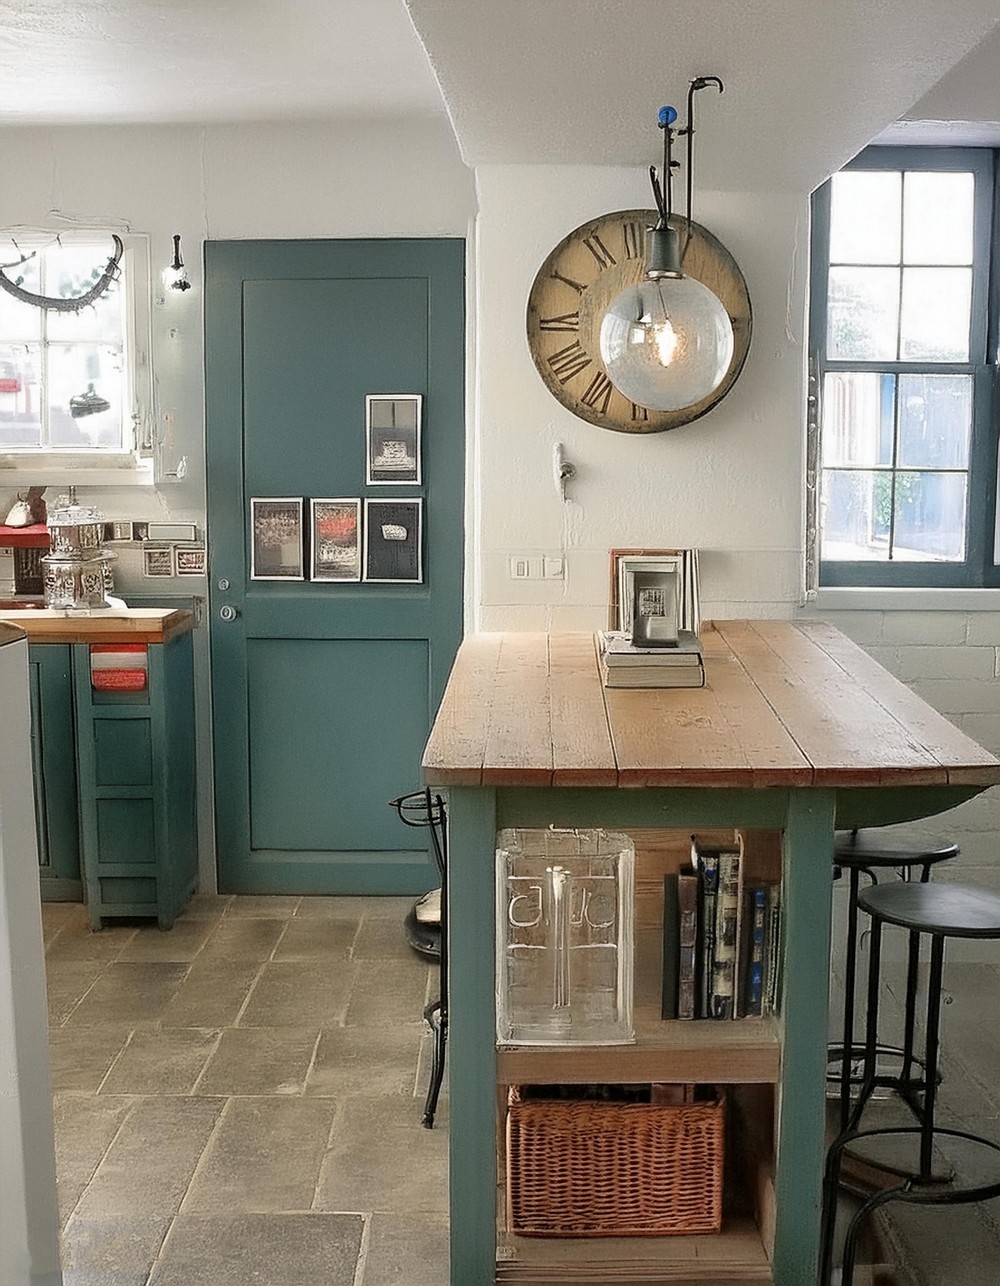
x=572 y=291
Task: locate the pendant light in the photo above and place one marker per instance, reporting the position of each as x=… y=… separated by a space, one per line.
x=667 y=342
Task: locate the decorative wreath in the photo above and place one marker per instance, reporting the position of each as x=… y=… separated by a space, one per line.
x=72 y=303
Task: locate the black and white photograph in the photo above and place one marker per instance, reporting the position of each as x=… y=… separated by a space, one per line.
x=393 y=540
x=276 y=538
x=189 y=560
x=392 y=432
x=336 y=539
x=157 y=560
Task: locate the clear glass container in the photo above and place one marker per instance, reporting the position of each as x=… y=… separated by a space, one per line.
x=564 y=937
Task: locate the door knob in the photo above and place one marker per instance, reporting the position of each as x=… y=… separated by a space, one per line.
x=228 y=613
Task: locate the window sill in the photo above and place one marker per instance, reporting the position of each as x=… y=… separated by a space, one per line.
x=47 y=469
x=880 y=598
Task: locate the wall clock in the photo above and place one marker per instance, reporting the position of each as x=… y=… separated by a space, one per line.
x=571 y=293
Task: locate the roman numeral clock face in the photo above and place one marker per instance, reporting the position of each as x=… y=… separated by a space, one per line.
x=571 y=293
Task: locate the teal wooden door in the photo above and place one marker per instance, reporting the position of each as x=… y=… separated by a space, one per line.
x=324 y=691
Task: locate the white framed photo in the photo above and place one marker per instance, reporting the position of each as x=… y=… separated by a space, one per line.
x=393 y=541
x=157 y=560
x=392 y=439
x=276 y=538
x=189 y=560
x=335 y=526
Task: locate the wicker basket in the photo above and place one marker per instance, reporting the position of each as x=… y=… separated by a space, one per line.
x=598 y=1169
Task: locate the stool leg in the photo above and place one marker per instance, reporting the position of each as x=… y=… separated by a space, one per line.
x=931 y=1055
x=853 y=1236
x=850 y=966
x=871 y=1025
x=909 y=1019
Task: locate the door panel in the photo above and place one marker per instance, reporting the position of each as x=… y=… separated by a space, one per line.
x=323 y=692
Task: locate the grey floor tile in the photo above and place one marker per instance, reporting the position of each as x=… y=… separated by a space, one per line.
x=147 y=1169
x=56 y=915
x=84 y=1129
x=363 y=1169
x=265 y=906
x=390 y=908
x=112 y=1251
x=365 y=1061
x=132 y=993
x=249 y=938
x=289 y=995
x=258 y=1060
x=81 y=1056
x=168 y=1061
x=388 y=992
x=206 y=905
x=263 y=1249
x=382 y=939
x=182 y=942
x=67 y=982
x=407 y=1250
x=312 y=938
x=211 y=994
x=265 y=1156
x=77 y=941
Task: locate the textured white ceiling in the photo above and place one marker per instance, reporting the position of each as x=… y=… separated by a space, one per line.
x=210 y=60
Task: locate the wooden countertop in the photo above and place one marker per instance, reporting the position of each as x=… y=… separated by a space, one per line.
x=110 y=625
x=785 y=704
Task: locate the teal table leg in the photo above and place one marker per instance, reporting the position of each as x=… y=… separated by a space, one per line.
x=472 y=1035
x=806 y=926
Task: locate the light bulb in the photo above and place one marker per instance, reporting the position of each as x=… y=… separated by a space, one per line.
x=666 y=343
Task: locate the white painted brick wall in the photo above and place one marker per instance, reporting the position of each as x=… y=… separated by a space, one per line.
x=952 y=660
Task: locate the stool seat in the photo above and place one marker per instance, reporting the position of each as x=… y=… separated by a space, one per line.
x=949 y=910
x=888 y=847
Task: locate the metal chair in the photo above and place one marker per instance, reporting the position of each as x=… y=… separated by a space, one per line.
x=424 y=809
x=936 y=911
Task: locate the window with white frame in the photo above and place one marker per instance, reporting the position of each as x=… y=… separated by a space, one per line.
x=73 y=381
x=904 y=317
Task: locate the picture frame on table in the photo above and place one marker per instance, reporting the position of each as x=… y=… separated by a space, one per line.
x=623 y=565
x=276 y=544
x=394 y=541
x=335 y=528
x=392 y=439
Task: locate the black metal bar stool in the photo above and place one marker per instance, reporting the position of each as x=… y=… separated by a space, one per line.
x=936 y=911
x=423 y=808
x=865 y=852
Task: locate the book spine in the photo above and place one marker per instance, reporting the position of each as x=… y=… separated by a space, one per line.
x=709 y=868
x=671 y=947
x=756 y=910
x=687 y=969
x=772 y=950
x=726 y=918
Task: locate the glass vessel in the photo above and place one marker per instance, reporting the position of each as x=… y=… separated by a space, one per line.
x=564 y=937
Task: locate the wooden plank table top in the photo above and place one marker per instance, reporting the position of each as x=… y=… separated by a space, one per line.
x=110 y=625
x=786 y=703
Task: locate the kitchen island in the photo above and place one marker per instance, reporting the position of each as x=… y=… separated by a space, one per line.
x=796 y=733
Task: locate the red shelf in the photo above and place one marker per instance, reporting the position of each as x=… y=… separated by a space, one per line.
x=33 y=537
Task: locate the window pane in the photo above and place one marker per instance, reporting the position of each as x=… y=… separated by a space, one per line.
x=930 y=517
x=73 y=270
x=855 y=508
x=865 y=217
x=937 y=217
x=857 y=418
x=77 y=370
x=20 y=395
x=863 y=311
x=935 y=316
x=20 y=323
x=935 y=419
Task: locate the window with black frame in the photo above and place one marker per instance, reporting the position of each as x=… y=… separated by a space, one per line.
x=905 y=298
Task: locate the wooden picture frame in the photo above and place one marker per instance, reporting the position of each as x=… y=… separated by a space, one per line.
x=335 y=530
x=276 y=548
x=392 y=439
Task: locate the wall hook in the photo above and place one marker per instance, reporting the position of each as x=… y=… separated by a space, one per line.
x=562 y=469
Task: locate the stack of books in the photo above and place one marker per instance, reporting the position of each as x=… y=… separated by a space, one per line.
x=720 y=938
x=678 y=665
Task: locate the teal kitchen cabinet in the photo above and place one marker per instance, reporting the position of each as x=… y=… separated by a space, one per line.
x=53 y=761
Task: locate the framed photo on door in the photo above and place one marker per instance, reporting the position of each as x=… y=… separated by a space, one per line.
x=392 y=439
x=336 y=539
x=393 y=541
x=276 y=538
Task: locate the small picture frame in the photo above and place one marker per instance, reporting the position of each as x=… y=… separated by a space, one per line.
x=276 y=538
x=189 y=560
x=392 y=439
x=336 y=539
x=625 y=563
x=157 y=560
x=393 y=541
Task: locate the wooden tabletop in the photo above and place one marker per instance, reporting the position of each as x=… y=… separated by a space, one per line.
x=108 y=625
x=785 y=704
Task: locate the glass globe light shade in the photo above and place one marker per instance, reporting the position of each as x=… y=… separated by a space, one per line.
x=666 y=343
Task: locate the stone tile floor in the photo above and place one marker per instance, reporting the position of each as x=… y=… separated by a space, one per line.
x=238 y=1100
